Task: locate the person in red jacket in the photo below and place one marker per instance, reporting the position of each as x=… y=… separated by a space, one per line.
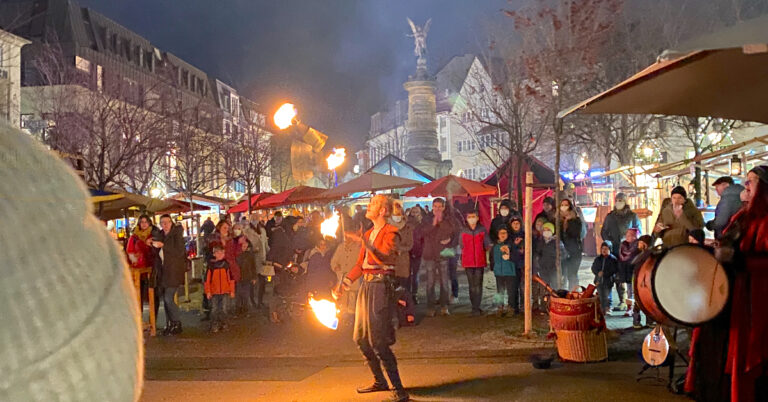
x=374 y=332
x=218 y=284
x=474 y=242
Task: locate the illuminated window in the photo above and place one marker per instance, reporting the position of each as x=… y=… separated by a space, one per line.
x=82 y=64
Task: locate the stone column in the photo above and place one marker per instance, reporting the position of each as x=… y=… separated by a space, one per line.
x=422 y=122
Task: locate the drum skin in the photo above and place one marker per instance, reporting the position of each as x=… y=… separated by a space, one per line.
x=684 y=285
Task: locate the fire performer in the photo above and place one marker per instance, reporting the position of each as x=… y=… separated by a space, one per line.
x=374 y=332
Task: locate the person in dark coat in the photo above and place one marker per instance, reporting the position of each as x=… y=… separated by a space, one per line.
x=207 y=227
x=416 y=217
x=570 y=229
x=618 y=221
x=506 y=212
x=172 y=274
x=605 y=267
x=282 y=255
x=440 y=237
x=729 y=204
x=548 y=212
x=273 y=224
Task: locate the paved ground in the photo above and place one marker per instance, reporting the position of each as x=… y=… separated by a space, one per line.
x=443 y=358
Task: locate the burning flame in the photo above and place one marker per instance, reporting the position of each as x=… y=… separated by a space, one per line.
x=285 y=115
x=330 y=225
x=325 y=311
x=336 y=158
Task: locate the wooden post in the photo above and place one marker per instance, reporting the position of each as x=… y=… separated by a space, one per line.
x=528 y=251
x=152 y=318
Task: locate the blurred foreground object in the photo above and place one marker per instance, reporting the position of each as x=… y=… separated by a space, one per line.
x=70 y=329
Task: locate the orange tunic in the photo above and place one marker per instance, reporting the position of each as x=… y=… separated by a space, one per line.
x=382 y=253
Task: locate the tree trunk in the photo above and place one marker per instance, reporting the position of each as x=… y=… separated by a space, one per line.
x=248 y=200
x=558 y=265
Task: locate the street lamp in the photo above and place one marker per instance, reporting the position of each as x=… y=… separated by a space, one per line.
x=735 y=166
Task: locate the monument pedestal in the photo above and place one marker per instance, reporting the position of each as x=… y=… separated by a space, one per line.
x=422 y=151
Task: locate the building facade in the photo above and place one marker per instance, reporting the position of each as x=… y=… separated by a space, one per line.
x=10 y=77
x=459 y=140
x=110 y=58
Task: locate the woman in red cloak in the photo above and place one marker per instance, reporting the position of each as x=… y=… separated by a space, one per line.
x=743 y=366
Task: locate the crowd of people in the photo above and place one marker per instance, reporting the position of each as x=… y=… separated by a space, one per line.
x=243 y=256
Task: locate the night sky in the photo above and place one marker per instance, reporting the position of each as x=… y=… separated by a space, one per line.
x=339 y=61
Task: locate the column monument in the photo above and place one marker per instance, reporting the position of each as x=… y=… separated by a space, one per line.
x=421 y=128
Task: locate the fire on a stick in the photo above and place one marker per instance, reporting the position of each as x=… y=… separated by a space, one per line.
x=285 y=115
x=330 y=226
x=325 y=311
x=336 y=158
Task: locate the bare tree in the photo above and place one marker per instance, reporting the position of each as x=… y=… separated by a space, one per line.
x=249 y=150
x=98 y=118
x=504 y=118
x=193 y=159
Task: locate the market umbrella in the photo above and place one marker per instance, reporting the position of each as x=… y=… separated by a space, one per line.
x=452 y=186
x=721 y=75
x=370 y=181
x=179 y=206
x=242 y=206
x=296 y=195
x=103 y=195
x=114 y=209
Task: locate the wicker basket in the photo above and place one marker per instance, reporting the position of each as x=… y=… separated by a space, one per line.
x=582 y=346
x=574 y=314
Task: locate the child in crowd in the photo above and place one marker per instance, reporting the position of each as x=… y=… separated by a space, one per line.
x=544 y=261
x=627 y=253
x=320 y=278
x=218 y=284
x=507 y=280
x=644 y=243
x=474 y=242
x=517 y=237
x=249 y=274
x=605 y=267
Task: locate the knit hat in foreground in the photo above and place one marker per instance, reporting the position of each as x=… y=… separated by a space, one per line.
x=679 y=190
x=70 y=328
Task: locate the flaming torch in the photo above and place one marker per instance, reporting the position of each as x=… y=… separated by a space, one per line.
x=335 y=160
x=330 y=226
x=285 y=115
x=325 y=311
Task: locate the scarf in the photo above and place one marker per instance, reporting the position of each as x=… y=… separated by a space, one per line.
x=143 y=235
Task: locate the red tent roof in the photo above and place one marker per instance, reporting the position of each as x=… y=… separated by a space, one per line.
x=242 y=206
x=296 y=195
x=449 y=186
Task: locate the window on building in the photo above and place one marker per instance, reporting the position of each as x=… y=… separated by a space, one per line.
x=81 y=63
x=472 y=144
x=442 y=123
x=443 y=144
x=185 y=78
x=458 y=146
x=99 y=77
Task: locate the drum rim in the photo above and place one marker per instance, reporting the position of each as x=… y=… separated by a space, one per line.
x=656 y=298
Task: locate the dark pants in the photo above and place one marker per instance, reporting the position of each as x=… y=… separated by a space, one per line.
x=475 y=279
x=218 y=303
x=437 y=273
x=259 y=289
x=415 y=266
x=374 y=332
x=172 y=312
x=242 y=294
x=453 y=265
x=510 y=285
x=604 y=293
x=571 y=269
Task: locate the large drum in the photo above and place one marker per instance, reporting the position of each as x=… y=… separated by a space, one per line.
x=684 y=285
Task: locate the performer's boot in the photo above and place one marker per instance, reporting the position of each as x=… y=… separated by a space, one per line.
x=390 y=364
x=379 y=382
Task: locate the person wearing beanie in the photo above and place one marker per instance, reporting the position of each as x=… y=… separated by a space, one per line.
x=605 y=266
x=71 y=329
x=545 y=256
x=547 y=210
x=675 y=220
x=618 y=221
x=506 y=212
